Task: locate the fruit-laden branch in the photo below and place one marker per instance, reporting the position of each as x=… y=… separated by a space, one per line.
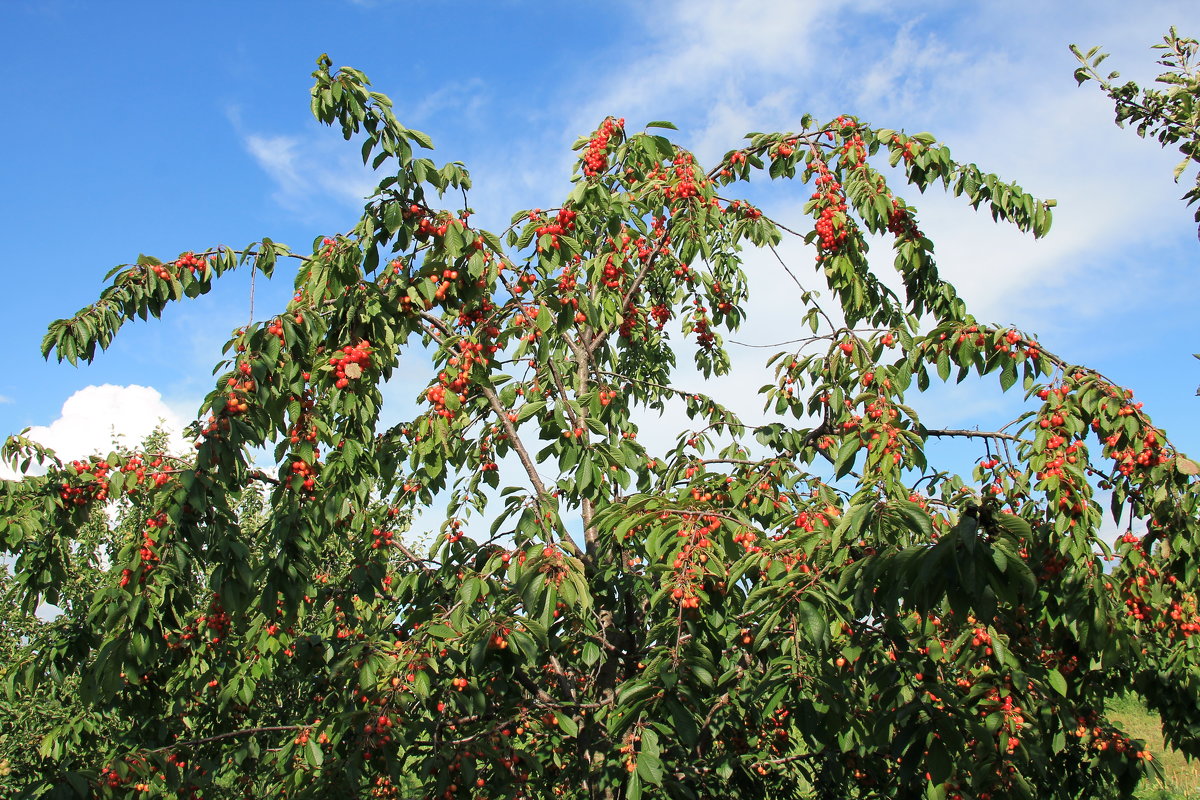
x=540 y=695
x=145 y=288
x=514 y=439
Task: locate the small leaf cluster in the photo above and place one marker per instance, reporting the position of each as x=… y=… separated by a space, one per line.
x=1171 y=115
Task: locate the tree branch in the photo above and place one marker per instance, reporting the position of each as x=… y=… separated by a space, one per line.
x=947 y=432
x=230 y=735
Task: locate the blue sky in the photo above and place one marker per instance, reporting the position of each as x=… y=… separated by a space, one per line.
x=163 y=127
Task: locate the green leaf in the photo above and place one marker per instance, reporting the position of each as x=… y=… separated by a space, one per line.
x=393 y=217
x=633 y=790
x=943 y=365
x=814 y=622
x=1008 y=375
x=1057 y=681
x=650 y=768
x=439 y=631
x=313 y=754
x=566 y=724
x=843 y=462
x=421 y=139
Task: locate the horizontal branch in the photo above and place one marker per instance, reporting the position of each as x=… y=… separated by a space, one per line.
x=230 y=735
x=946 y=432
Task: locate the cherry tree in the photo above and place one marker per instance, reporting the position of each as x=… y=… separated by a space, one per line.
x=805 y=607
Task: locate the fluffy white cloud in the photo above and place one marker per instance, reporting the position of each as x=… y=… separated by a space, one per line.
x=96 y=416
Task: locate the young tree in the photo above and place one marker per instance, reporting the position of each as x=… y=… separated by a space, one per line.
x=804 y=608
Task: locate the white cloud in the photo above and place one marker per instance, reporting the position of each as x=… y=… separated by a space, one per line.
x=718 y=56
x=311 y=172
x=95 y=416
x=463 y=99
x=277 y=156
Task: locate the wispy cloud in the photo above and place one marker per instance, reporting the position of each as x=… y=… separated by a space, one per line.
x=310 y=173
x=464 y=100
x=317 y=174
x=720 y=57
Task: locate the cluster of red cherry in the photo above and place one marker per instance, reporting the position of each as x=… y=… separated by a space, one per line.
x=685 y=185
x=217 y=620
x=381 y=538
x=86 y=492
x=138 y=466
x=470 y=353
x=742 y=207
x=564 y=222
x=239 y=390
x=613 y=272
x=808 y=520
x=595 y=156
x=191 y=262
x=1132 y=458
x=307 y=473
x=148 y=551
x=276 y=326
x=901 y=223
x=700 y=326
x=687 y=573
x=428 y=227
x=112 y=778
x=445 y=282
x=303 y=429
x=831 y=225
x=349 y=365
x=854 y=149
x=906 y=149
x=481 y=320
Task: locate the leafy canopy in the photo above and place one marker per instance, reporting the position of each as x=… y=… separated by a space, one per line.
x=803 y=608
